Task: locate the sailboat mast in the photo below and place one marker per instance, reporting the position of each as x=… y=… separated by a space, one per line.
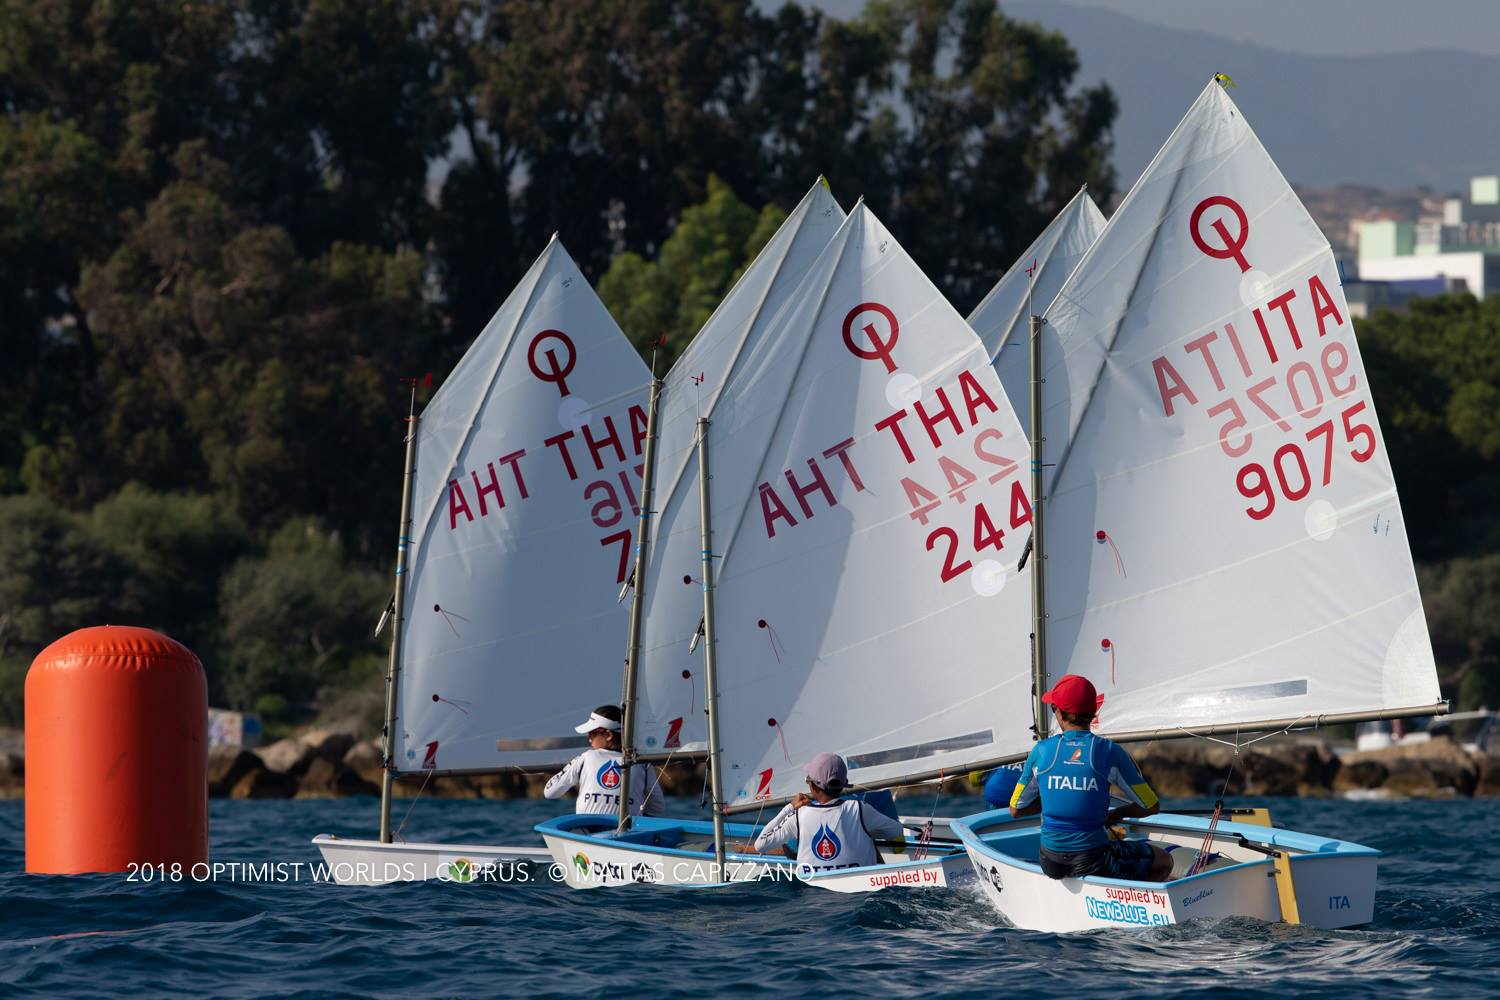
x=710 y=672
x=637 y=603
x=398 y=616
x=1038 y=542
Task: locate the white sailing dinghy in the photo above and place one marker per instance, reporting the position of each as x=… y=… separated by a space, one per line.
x=1003 y=317
x=856 y=568
x=523 y=486
x=1224 y=548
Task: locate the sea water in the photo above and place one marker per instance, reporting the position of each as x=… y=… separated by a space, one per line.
x=265 y=925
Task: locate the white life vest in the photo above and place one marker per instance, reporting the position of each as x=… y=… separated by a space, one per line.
x=833 y=836
x=597 y=775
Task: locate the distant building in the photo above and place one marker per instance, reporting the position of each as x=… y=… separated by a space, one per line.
x=1459 y=248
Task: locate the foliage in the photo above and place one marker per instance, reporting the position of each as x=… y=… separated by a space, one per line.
x=227 y=229
x=296 y=618
x=675 y=294
x=1462 y=600
x=1435 y=370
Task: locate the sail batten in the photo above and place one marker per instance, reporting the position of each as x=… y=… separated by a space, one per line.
x=724 y=354
x=855 y=615
x=1226 y=547
x=519 y=548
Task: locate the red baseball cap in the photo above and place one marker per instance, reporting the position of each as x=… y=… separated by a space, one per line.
x=1073 y=693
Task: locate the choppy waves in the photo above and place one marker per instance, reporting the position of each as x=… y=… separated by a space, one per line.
x=1436 y=927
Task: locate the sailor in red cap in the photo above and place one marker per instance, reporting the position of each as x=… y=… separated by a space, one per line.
x=1067 y=779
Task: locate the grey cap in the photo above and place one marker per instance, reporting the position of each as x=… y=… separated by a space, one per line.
x=828 y=770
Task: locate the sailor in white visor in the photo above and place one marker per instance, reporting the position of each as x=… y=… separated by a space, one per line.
x=597 y=773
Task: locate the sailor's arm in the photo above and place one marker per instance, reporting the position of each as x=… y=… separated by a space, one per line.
x=564 y=781
x=882 y=827
x=1026 y=799
x=1140 y=801
x=780 y=832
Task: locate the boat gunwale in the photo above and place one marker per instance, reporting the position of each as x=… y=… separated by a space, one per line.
x=967 y=828
x=555 y=828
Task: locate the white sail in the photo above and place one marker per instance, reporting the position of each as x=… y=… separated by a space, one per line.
x=869 y=473
x=1224 y=541
x=1002 y=319
x=671 y=707
x=524 y=516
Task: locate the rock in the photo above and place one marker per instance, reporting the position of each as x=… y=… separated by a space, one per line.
x=329 y=746
x=1181 y=769
x=1436 y=767
x=226 y=766
x=1359 y=775
x=12 y=776
x=1184 y=768
x=289 y=756
x=1489 y=775
x=364 y=759
x=264 y=784
x=325 y=779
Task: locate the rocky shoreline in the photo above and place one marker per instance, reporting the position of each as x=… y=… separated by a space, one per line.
x=323 y=764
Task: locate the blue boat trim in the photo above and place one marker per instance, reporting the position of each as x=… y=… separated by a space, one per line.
x=970 y=830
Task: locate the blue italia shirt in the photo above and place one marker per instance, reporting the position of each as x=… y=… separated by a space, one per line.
x=1072 y=772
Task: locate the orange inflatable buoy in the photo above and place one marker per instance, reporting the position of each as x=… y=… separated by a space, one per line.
x=116 y=753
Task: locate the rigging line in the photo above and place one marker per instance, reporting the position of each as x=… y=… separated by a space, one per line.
x=545 y=262
x=750 y=325
x=852 y=221
x=1205 y=856
x=1168 y=204
x=1035 y=252
x=415 y=798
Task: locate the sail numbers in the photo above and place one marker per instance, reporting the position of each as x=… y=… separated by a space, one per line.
x=1266 y=393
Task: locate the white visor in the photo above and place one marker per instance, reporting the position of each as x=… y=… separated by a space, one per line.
x=597 y=721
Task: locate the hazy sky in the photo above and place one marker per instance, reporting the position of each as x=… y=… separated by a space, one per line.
x=1332 y=27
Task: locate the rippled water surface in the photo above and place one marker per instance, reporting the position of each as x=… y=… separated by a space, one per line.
x=1436 y=930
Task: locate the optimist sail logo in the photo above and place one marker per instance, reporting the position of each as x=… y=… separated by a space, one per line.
x=609 y=775
x=826 y=844
x=674 y=735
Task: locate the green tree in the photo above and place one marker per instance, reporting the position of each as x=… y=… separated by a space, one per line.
x=675 y=294
x=1462 y=601
x=1434 y=371
x=297 y=620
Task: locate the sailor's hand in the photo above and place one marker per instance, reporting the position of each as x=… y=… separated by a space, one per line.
x=1116 y=832
x=801 y=799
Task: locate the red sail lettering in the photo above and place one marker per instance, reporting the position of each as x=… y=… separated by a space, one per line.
x=892 y=423
x=560 y=442
x=818 y=484
x=492 y=488
x=974 y=396
x=841 y=450
x=1322 y=303
x=771 y=508
x=457 y=504
x=514 y=461
x=1265 y=335
x=1283 y=302
x=1239 y=352
x=1166 y=374
x=1201 y=346
x=929 y=423
x=637 y=427
x=611 y=439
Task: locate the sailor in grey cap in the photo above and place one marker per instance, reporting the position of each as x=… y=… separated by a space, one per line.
x=829 y=831
x=598 y=772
